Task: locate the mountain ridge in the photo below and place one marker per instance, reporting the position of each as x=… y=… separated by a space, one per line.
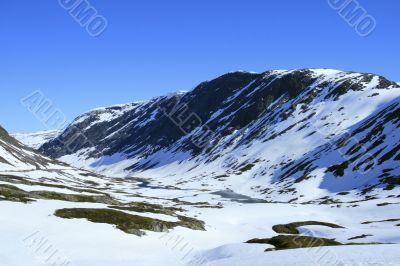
x=228 y=127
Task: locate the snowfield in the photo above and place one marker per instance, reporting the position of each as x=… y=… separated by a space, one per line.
x=350 y=256
x=29 y=229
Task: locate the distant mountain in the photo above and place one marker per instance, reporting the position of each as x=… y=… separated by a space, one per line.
x=37 y=139
x=284 y=135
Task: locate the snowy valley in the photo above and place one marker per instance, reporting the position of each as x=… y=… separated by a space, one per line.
x=285 y=167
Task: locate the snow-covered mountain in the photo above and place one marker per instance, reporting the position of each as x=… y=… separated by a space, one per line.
x=297 y=135
x=37 y=139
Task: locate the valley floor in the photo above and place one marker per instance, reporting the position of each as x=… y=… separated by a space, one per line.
x=31 y=233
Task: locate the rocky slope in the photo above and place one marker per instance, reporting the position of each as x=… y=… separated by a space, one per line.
x=15 y=156
x=16 y=159
x=298 y=135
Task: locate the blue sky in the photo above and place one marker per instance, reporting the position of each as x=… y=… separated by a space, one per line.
x=155 y=47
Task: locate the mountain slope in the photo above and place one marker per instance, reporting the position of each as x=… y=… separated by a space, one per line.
x=279 y=135
x=16 y=156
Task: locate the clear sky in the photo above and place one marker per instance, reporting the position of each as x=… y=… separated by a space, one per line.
x=155 y=47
